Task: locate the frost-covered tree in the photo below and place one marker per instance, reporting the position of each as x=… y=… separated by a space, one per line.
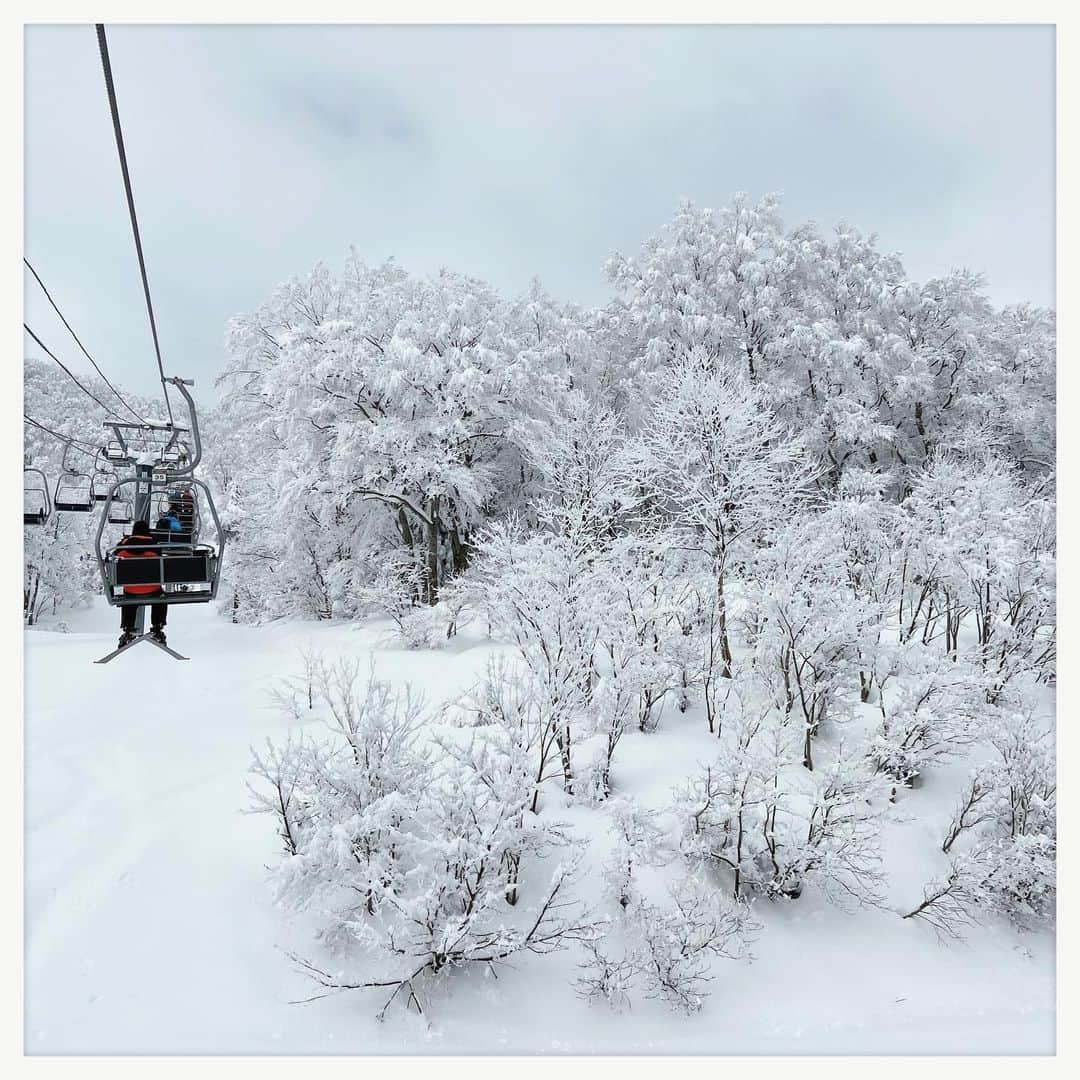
x=877 y=371
x=385 y=408
x=719 y=468
x=809 y=633
x=537 y=592
x=979 y=544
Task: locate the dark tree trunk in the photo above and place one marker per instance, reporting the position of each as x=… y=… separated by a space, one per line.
x=433 y=552
x=725 y=646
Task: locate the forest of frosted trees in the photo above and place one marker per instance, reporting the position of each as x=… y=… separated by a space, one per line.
x=773 y=484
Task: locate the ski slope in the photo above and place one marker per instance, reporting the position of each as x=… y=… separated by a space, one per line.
x=150 y=928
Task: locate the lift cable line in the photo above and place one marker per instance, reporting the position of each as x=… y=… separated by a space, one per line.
x=67 y=325
x=74 y=379
x=111 y=90
x=76 y=444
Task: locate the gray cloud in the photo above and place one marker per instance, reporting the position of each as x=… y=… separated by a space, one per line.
x=343 y=114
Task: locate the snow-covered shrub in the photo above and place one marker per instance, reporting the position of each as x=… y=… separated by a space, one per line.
x=412 y=859
x=639 y=843
x=930 y=706
x=424 y=628
x=513 y=711
x=779 y=828
x=667 y=949
x=396 y=590
x=681 y=938
x=1002 y=840
x=605 y=976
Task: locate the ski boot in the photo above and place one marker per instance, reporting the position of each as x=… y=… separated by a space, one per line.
x=126 y=638
x=158 y=634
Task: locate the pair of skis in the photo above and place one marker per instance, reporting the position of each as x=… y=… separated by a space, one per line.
x=135 y=641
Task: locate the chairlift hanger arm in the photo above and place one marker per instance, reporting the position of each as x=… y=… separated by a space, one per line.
x=196 y=457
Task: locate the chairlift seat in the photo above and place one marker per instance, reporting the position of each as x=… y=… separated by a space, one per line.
x=120 y=512
x=36 y=503
x=185 y=576
x=75 y=494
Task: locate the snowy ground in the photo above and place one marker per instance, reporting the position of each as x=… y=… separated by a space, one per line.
x=150 y=929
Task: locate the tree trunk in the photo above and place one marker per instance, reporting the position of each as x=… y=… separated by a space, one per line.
x=460 y=549
x=433 y=552
x=725 y=646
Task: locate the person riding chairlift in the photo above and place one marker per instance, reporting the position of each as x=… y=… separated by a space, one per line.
x=169 y=521
x=183 y=507
x=140 y=543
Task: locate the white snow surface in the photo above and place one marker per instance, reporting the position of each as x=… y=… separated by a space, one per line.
x=150 y=927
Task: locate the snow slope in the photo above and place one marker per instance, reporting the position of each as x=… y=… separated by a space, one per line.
x=150 y=929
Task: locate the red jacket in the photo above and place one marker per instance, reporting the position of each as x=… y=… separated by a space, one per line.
x=134 y=546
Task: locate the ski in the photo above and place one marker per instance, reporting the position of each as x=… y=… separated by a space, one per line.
x=143 y=637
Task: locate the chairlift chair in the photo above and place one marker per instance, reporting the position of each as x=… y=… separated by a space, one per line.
x=37 y=505
x=181 y=502
x=184 y=571
x=104 y=478
x=120 y=512
x=74 y=489
x=74 y=493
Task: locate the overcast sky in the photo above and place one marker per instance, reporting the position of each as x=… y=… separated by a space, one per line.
x=505 y=153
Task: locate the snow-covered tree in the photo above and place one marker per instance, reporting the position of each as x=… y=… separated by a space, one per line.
x=719 y=468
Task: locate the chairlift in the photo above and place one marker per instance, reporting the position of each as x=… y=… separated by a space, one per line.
x=181 y=503
x=37 y=505
x=174 y=567
x=74 y=489
x=184 y=570
x=74 y=493
x=104 y=478
x=120 y=511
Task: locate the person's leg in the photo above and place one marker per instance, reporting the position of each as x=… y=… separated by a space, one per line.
x=157 y=621
x=127 y=623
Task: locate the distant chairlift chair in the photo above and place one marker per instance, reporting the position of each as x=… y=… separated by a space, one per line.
x=36 y=503
x=120 y=511
x=104 y=478
x=74 y=493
